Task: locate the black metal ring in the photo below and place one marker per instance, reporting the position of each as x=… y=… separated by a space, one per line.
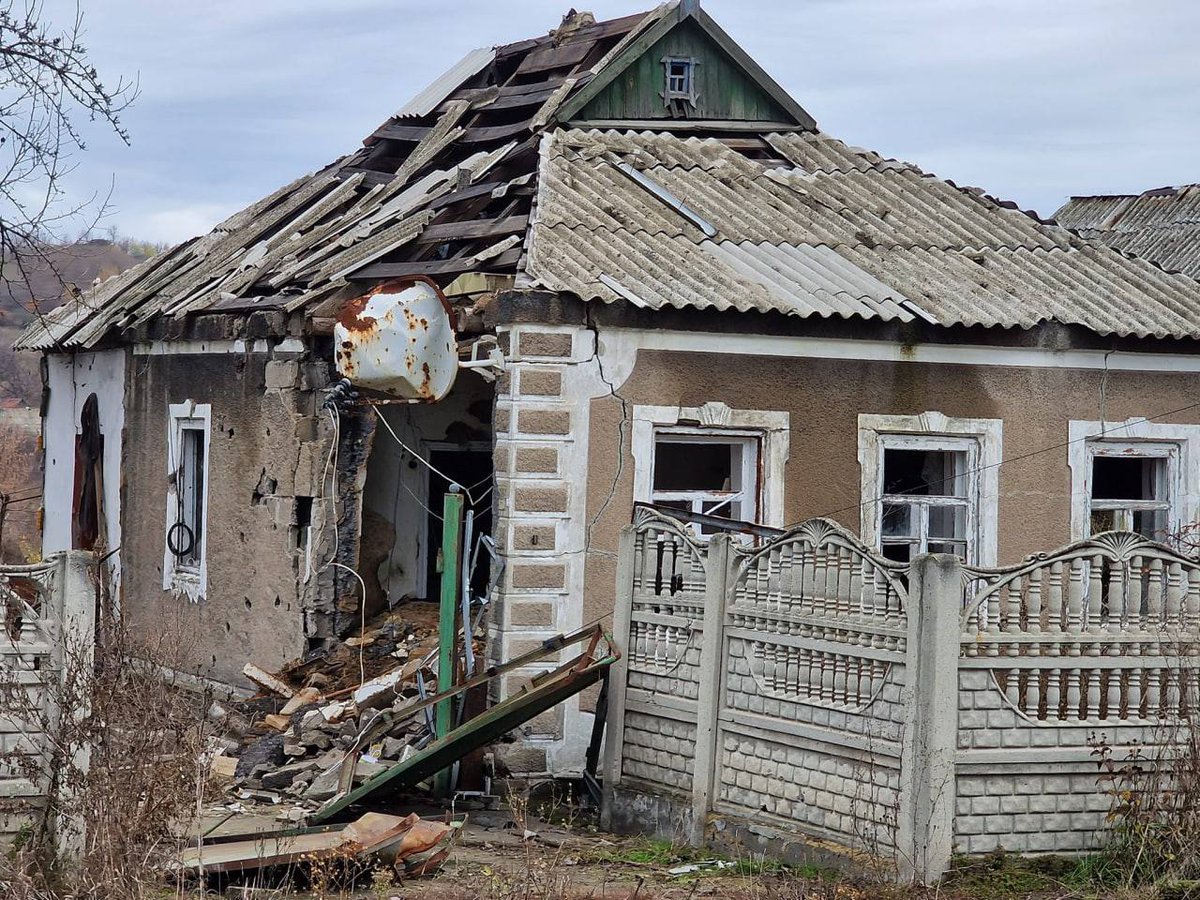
x=183 y=527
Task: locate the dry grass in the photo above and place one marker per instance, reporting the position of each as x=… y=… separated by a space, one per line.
x=123 y=765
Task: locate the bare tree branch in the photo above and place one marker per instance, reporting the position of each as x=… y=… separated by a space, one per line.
x=48 y=86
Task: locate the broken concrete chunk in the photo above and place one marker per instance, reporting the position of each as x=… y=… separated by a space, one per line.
x=381 y=691
x=337 y=711
x=223 y=767
x=324 y=786
x=304 y=697
x=267 y=681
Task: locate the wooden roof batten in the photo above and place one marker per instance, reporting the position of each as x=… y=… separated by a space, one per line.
x=442 y=188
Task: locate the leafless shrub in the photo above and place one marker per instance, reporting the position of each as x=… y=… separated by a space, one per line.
x=1155 y=794
x=48 y=84
x=119 y=751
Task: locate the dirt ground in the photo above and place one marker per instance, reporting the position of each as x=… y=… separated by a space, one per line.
x=502 y=856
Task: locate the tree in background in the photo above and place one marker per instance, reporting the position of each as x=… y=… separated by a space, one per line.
x=48 y=86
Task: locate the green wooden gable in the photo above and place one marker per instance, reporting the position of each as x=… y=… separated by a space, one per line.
x=726 y=85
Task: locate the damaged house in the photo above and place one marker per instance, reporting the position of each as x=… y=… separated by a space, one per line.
x=677 y=290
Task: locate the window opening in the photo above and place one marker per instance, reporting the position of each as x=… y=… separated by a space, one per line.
x=186 y=535
x=89 y=455
x=680 y=80
x=1130 y=493
x=716 y=476
x=927 y=503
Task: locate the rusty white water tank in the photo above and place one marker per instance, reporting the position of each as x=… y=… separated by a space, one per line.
x=399 y=340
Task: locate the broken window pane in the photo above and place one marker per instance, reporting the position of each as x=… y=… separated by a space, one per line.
x=715 y=477
x=191 y=495
x=948 y=522
x=708 y=466
x=679 y=78
x=897 y=520
x=1130 y=492
x=1128 y=478
x=928 y=473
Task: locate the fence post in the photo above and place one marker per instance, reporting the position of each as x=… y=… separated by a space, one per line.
x=75 y=602
x=615 y=725
x=708 y=700
x=925 y=832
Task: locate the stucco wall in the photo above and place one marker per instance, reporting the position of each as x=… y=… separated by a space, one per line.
x=267 y=447
x=71 y=379
x=824 y=398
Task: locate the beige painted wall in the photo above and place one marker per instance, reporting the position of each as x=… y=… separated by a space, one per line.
x=824 y=399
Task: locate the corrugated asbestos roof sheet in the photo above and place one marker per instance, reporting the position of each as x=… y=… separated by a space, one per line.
x=809 y=226
x=437 y=91
x=1162 y=225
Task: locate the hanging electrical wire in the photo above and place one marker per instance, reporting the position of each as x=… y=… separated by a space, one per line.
x=422 y=460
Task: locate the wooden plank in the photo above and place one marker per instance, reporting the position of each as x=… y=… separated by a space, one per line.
x=261 y=852
x=371 y=177
x=467 y=193
x=454 y=266
x=562 y=57
x=476 y=228
x=394 y=132
x=495 y=133
x=537 y=87
x=516 y=101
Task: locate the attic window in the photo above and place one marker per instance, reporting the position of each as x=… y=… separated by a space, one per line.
x=681 y=81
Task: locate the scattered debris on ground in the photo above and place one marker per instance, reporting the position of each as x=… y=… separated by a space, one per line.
x=338 y=736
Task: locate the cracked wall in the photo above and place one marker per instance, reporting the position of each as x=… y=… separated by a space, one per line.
x=269 y=595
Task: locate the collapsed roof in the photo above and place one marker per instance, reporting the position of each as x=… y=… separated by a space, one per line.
x=523 y=160
x=1161 y=225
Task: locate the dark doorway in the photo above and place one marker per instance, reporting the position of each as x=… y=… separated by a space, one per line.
x=472 y=469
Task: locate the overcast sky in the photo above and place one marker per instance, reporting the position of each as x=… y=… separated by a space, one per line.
x=1033 y=100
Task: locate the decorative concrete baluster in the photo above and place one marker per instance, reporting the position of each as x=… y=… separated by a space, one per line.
x=1173 y=691
x=1157 y=608
x=841 y=679
x=1135 y=699
x=826 y=677
x=1095 y=600
x=1118 y=586
x=1033 y=693
x=859 y=602
x=820 y=583
x=1012 y=687
x=1174 y=602
x=803 y=680
x=1153 y=692
x=1191 y=615
x=1092 y=710
x=1056 y=614
x=847 y=598
x=809 y=578
x=1073 y=696
x=1112 y=694
x=1033 y=604
x=1075 y=596
x=1053 y=694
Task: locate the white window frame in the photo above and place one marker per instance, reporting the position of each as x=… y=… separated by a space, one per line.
x=188 y=580
x=983 y=439
x=745 y=491
x=689 y=92
x=1179 y=444
x=718 y=422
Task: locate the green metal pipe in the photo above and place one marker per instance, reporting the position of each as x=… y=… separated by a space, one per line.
x=452 y=533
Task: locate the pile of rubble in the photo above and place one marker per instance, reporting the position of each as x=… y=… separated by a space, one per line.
x=287 y=746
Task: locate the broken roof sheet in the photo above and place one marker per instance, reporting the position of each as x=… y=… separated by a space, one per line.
x=796 y=223
x=1162 y=225
x=820 y=228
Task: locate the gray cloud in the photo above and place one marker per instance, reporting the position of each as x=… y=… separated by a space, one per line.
x=1031 y=100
